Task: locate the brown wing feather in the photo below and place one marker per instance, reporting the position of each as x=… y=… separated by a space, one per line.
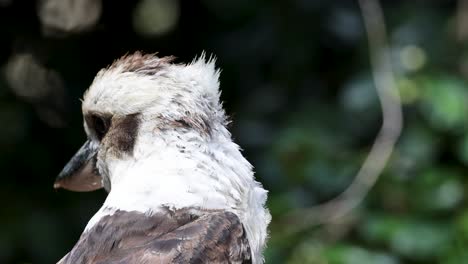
x=171 y=237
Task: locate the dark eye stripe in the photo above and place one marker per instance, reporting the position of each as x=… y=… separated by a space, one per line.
x=124 y=133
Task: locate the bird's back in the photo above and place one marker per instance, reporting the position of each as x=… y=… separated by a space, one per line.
x=179 y=236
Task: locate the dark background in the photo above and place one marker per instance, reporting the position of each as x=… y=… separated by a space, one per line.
x=295 y=79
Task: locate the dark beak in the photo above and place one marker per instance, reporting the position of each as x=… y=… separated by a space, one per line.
x=81 y=174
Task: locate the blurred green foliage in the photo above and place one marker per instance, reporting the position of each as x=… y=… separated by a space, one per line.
x=296 y=80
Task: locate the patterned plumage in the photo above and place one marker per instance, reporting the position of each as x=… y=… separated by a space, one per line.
x=177 y=236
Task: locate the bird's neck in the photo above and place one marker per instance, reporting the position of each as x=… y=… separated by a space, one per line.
x=178 y=171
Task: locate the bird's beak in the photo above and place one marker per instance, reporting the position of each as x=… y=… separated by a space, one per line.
x=81 y=174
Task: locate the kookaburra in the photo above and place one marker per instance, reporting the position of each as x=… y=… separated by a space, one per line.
x=180 y=190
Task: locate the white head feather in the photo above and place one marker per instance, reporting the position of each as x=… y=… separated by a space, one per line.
x=183 y=155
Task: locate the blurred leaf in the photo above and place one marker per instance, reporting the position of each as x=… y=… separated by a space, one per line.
x=444 y=102
x=462 y=224
x=309 y=251
x=348 y=254
x=379 y=229
x=420 y=240
x=409 y=90
x=417 y=148
x=437 y=189
x=412 y=238
x=462 y=149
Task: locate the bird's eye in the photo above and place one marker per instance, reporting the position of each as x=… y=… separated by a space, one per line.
x=100 y=125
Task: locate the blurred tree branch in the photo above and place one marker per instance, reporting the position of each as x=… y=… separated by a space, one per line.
x=462 y=20
x=384 y=143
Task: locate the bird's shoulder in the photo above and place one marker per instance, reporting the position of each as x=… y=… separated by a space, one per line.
x=179 y=236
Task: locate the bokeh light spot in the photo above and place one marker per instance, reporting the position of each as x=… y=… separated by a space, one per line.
x=155 y=17
x=60 y=17
x=412 y=57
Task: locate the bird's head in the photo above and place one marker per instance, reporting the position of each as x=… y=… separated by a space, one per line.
x=140 y=106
